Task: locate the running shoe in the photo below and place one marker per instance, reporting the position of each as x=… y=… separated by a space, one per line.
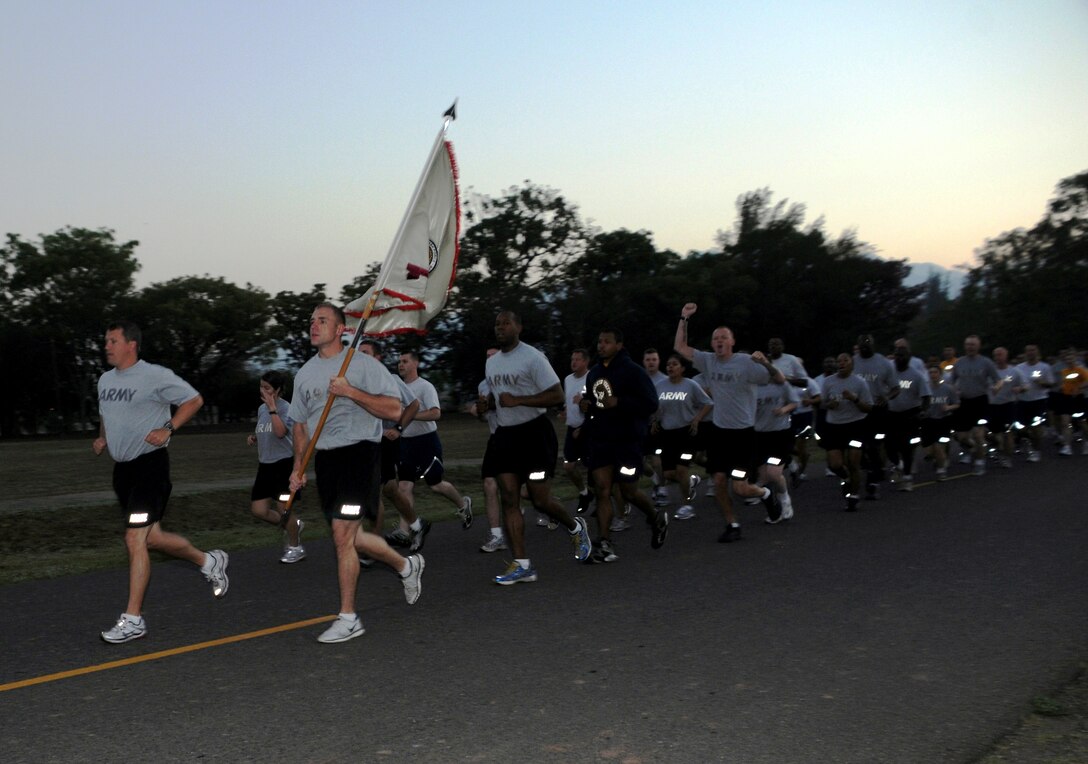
x=787 y=506
x=342 y=630
x=583 y=544
x=660 y=529
x=1066 y=451
x=618 y=524
x=693 y=483
x=398 y=537
x=293 y=554
x=515 y=574
x=542 y=520
x=413 y=584
x=420 y=536
x=217 y=575
x=584 y=500
x=603 y=551
x=493 y=544
x=685 y=512
x=465 y=513
x=730 y=534
x=125 y=630
x=1034 y=456
x=980 y=467
x=905 y=484
x=774 y=507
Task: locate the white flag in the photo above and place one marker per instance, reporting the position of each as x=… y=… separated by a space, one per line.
x=418 y=272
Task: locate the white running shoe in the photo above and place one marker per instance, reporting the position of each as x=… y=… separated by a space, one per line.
x=693 y=483
x=413 y=586
x=1034 y=456
x=685 y=512
x=493 y=544
x=618 y=524
x=342 y=630
x=125 y=630
x=1066 y=451
x=293 y=554
x=217 y=576
x=787 y=505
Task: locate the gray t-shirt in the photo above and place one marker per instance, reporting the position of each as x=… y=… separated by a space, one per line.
x=790 y=366
x=573 y=386
x=846 y=411
x=348 y=422
x=913 y=386
x=483 y=390
x=135 y=401
x=1013 y=381
x=521 y=371
x=878 y=372
x=270 y=448
x=770 y=398
x=677 y=404
x=973 y=376
x=732 y=385
x=1038 y=377
x=425 y=393
x=944 y=394
x=407 y=398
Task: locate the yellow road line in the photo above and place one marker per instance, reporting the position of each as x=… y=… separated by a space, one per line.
x=163 y=654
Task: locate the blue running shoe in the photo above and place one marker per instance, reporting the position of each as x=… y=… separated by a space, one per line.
x=583 y=544
x=516 y=574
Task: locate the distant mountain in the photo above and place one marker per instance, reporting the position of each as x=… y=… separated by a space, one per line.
x=952 y=278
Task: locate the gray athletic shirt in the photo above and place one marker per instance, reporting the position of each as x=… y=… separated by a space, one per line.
x=1007 y=394
x=847 y=411
x=732 y=385
x=913 y=386
x=573 y=386
x=677 y=404
x=348 y=422
x=973 y=376
x=424 y=392
x=270 y=448
x=878 y=372
x=521 y=371
x=1038 y=377
x=771 y=397
x=135 y=401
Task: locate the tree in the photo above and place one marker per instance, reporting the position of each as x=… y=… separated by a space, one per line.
x=290 y=327
x=205 y=329
x=58 y=295
x=511 y=258
x=1029 y=285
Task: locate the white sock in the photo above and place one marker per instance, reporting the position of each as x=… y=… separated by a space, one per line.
x=416 y=525
x=208 y=562
x=766 y=492
x=523 y=563
x=407 y=568
x=136 y=619
x=496 y=533
x=349 y=617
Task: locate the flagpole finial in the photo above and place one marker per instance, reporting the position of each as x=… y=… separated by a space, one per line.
x=451 y=113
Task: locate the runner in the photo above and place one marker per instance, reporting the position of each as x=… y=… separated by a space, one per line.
x=348 y=458
x=523 y=386
x=134 y=400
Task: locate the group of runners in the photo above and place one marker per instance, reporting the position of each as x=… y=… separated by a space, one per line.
x=747 y=418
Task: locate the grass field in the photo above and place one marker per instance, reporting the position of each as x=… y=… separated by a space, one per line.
x=77 y=532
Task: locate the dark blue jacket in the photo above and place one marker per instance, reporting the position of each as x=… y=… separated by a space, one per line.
x=637 y=400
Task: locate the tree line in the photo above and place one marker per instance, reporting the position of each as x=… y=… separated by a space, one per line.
x=530 y=250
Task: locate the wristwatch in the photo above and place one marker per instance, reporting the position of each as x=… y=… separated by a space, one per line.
x=168 y=426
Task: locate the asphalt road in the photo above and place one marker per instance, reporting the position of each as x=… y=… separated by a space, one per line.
x=916 y=630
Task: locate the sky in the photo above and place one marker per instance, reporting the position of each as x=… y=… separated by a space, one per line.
x=278 y=143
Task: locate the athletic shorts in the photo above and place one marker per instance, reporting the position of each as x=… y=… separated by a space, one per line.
x=876 y=423
x=348 y=481
x=1001 y=416
x=390 y=457
x=651 y=442
x=677 y=447
x=801 y=424
x=421 y=459
x=574 y=448
x=1070 y=405
x=273 y=480
x=704 y=436
x=732 y=452
x=528 y=450
x=488 y=468
x=775 y=444
x=839 y=437
x=935 y=429
x=624 y=457
x=143 y=487
x=969 y=413
x=1031 y=413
